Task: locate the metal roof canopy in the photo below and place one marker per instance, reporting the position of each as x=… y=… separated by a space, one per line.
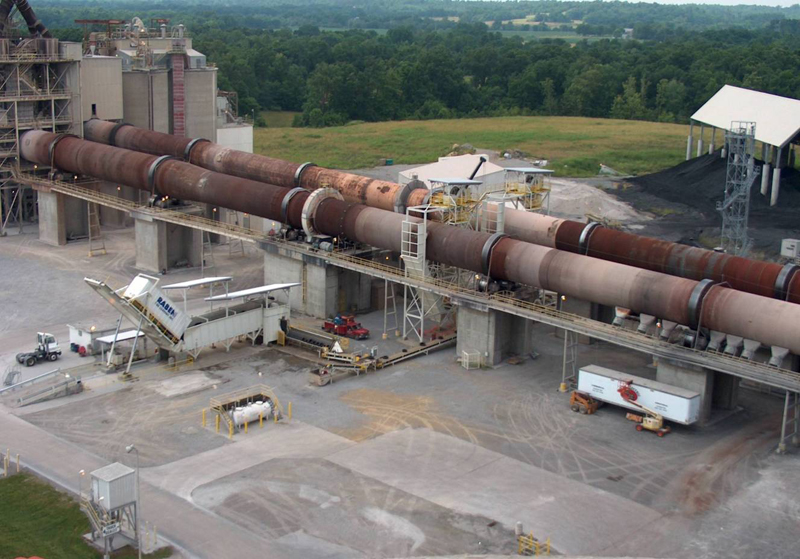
x=263 y=290
x=197 y=282
x=530 y=170
x=455 y=181
x=121 y=337
x=777 y=118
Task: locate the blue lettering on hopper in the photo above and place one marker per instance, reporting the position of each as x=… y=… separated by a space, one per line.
x=166 y=307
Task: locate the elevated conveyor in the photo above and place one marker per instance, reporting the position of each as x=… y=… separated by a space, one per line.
x=137 y=312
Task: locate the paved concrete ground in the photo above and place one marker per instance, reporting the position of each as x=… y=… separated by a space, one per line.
x=422 y=449
x=43 y=289
x=471 y=480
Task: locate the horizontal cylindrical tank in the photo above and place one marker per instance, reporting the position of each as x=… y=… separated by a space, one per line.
x=770 y=321
x=251 y=412
x=743 y=274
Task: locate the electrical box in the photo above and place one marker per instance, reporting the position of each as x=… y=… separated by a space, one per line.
x=114 y=486
x=790 y=248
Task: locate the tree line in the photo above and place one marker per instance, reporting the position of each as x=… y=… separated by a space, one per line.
x=337 y=77
x=677 y=61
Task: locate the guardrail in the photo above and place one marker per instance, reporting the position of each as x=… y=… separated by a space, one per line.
x=760 y=372
x=30 y=381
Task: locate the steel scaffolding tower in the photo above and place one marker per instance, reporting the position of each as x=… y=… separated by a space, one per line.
x=741 y=174
x=39 y=89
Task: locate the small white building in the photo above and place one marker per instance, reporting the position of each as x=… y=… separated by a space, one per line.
x=114 y=486
x=491 y=176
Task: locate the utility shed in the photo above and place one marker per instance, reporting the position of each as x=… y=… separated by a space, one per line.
x=114 y=486
x=777 y=126
x=490 y=175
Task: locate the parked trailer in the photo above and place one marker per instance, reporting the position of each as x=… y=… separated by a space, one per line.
x=673 y=403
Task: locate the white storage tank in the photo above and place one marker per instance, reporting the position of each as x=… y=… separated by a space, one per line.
x=673 y=403
x=115 y=484
x=251 y=412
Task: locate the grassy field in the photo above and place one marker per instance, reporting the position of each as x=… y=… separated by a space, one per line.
x=35 y=519
x=278 y=119
x=574 y=146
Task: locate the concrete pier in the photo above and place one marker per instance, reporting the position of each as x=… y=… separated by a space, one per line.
x=691 y=378
x=151 y=245
x=325 y=291
x=162 y=246
x=776 y=179
x=495 y=335
x=765 y=168
x=52 y=218
x=700 y=141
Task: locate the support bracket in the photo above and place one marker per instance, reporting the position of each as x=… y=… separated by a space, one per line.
x=151 y=172
x=300 y=170
x=311 y=205
x=586 y=235
x=696 y=301
x=784 y=278
x=112 y=136
x=285 y=203
x=187 y=152
x=486 y=252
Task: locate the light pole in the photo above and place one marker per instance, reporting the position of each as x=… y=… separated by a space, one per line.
x=128 y=449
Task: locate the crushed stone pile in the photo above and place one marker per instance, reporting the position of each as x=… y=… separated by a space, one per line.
x=699 y=183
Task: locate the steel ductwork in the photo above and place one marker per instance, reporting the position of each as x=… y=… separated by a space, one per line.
x=34 y=24
x=743 y=274
x=676 y=299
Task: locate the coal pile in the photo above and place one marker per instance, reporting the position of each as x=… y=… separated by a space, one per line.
x=699 y=184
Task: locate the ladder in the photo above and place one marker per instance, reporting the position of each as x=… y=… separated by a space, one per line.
x=791 y=421
x=570 y=363
x=96 y=243
x=389 y=309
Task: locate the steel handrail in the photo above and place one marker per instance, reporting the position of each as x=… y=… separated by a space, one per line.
x=752 y=370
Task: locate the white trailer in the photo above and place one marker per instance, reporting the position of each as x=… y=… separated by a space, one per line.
x=673 y=403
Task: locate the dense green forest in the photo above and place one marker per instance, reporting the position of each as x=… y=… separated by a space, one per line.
x=428 y=14
x=440 y=59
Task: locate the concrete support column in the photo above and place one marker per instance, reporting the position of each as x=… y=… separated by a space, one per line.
x=493 y=334
x=765 y=152
x=355 y=291
x=776 y=179
x=689 y=141
x=52 y=219
x=690 y=377
x=151 y=245
x=713 y=140
x=281 y=268
x=318 y=294
x=110 y=217
x=322 y=291
x=791 y=160
x=700 y=141
x=726 y=391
